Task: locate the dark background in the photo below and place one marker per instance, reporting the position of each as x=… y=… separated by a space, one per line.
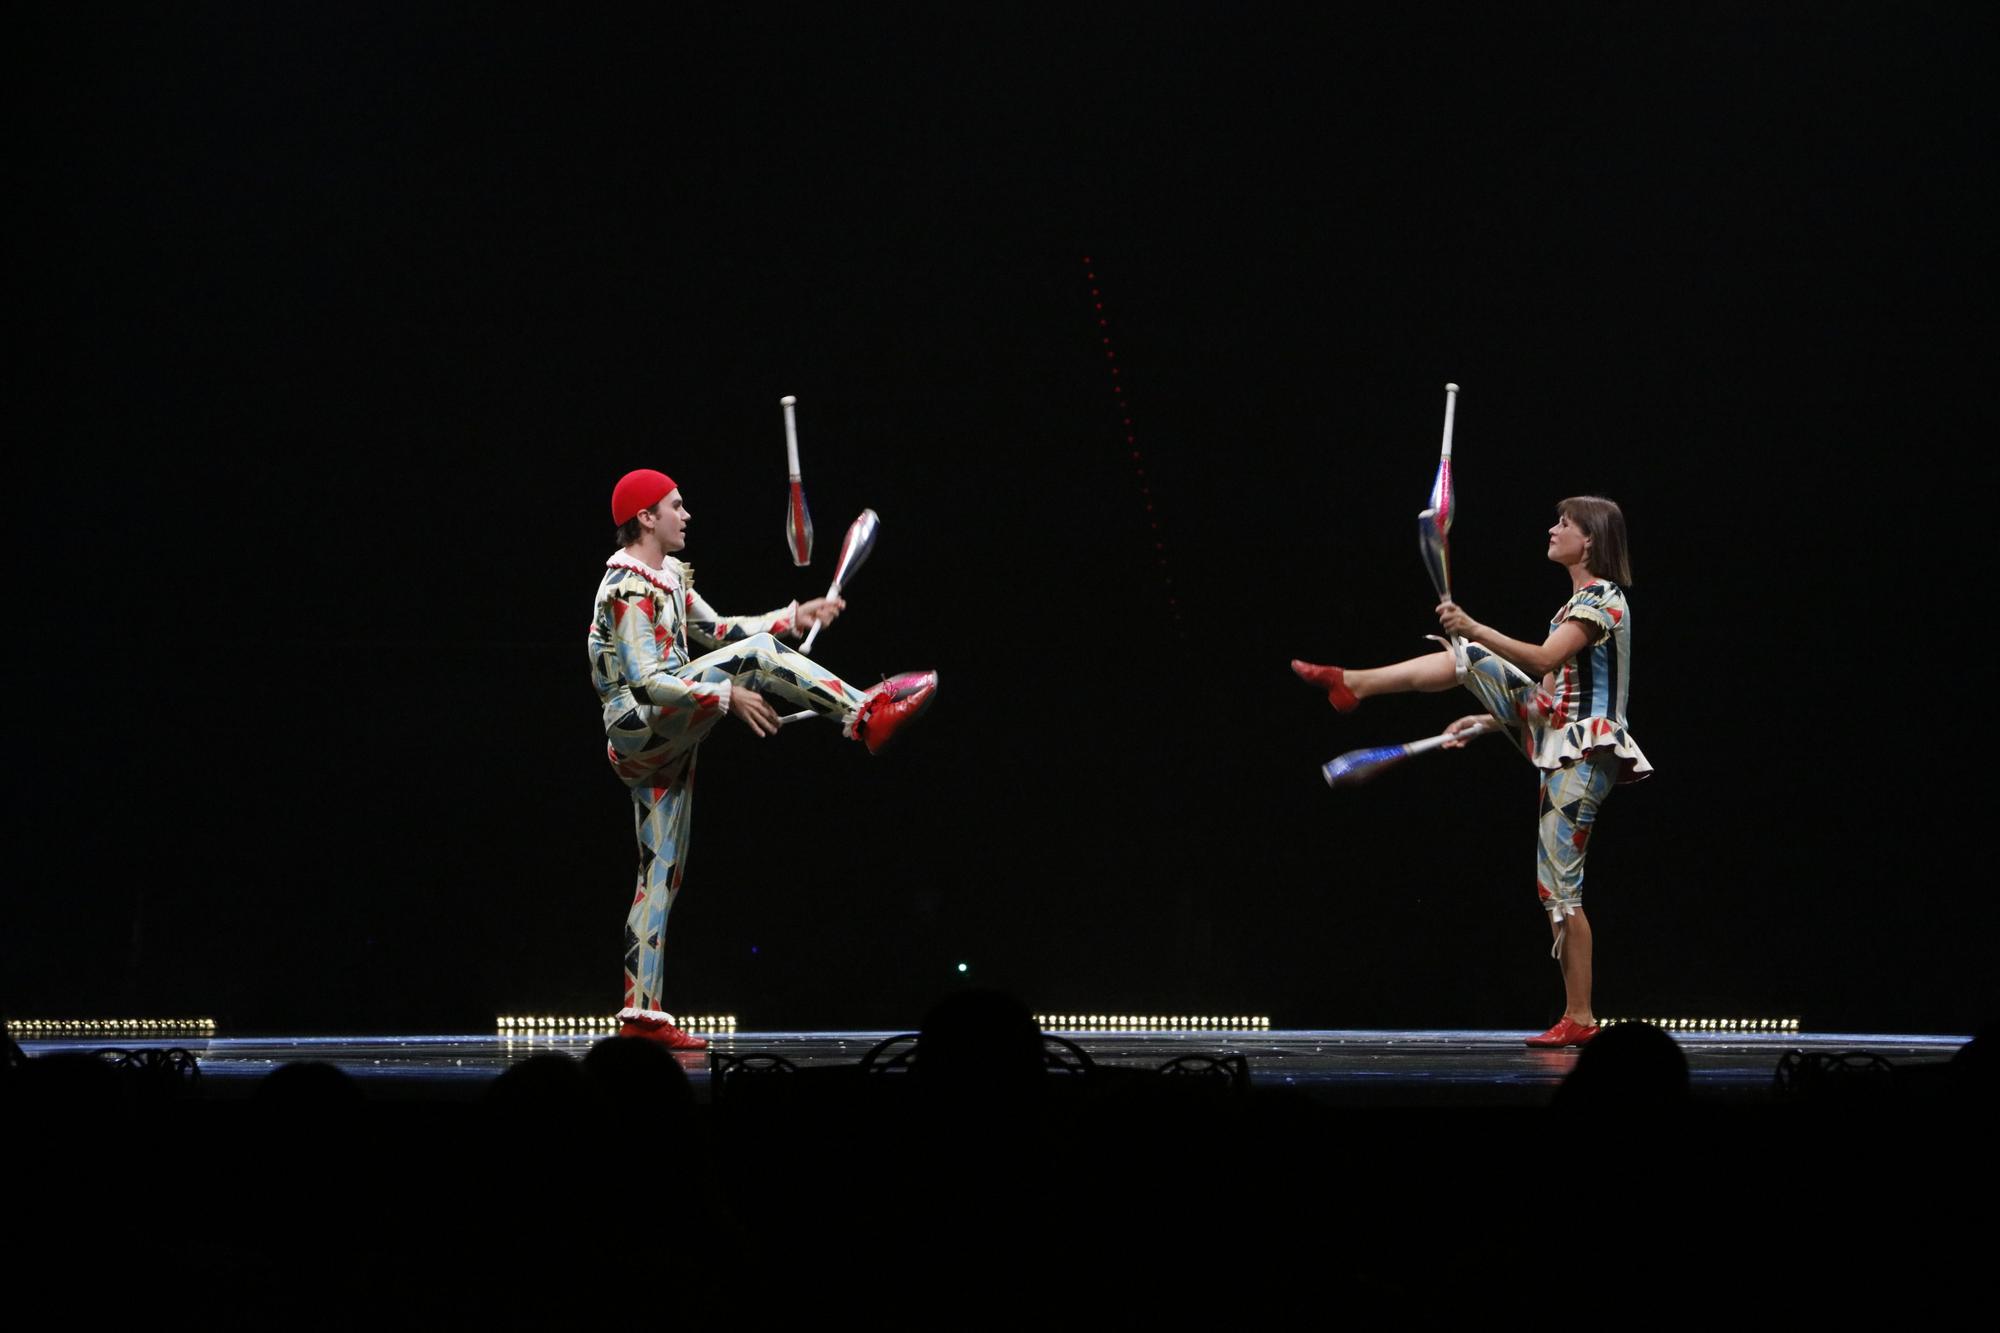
x=340 y=323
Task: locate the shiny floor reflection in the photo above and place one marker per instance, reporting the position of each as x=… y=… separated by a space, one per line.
x=1418 y=1066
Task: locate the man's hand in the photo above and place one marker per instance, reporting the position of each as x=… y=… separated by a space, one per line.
x=757 y=715
x=820 y=611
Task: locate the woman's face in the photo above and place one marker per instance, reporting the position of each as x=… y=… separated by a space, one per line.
x=1567 y=544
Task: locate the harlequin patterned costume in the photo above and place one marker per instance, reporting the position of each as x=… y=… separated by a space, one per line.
x=658 y=705
x=1576 y=735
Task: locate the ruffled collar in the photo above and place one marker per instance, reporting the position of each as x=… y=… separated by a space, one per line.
x=672 y=577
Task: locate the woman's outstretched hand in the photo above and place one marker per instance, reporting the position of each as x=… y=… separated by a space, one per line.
x=1455 y=621
x=1467 y=728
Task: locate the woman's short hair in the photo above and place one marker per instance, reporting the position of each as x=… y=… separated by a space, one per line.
x=1604 y=523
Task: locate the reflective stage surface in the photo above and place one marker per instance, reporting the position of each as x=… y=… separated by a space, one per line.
x=1341 y=1066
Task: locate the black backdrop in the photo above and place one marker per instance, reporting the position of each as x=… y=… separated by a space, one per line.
x=340 y=323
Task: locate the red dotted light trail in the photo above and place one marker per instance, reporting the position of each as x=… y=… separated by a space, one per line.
x=1135 y=456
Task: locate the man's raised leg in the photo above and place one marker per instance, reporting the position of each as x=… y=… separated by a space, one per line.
x=767 y=666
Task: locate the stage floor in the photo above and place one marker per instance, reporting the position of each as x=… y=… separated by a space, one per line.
x=1338 y=1066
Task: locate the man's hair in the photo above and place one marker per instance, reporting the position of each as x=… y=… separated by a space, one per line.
x=1604 y=523
x=630 y=531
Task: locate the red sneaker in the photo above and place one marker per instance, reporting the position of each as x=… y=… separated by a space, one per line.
x=663 y=1031
x=890 y=705
x=1331 y=679
x=1566 y=1033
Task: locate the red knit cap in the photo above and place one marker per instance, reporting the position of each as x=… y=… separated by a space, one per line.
x=639 y=490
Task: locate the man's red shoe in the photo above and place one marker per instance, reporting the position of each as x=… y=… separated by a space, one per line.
x=892 y=705
x=1566 y=1032
x=652 y=1026
x=1331 y=679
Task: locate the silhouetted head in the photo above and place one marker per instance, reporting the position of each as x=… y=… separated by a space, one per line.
x=550 y=1082
x=1974 y=1075
x=639 y=1075
x=72 y=1080
x=308 y=1083
x=1630 y=1065
x=979 y=1037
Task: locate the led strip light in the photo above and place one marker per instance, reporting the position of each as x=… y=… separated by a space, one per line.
x=41 y=1029
x=714 y=1025
x=1153 y=1023
x=1788 y=1026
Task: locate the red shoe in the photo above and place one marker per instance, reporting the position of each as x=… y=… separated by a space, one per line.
x=661 y=1030
x=1566 y=1033
x=1331 y=679
x=895 y=702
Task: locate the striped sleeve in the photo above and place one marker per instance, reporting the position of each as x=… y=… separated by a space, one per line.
x=1598 y=605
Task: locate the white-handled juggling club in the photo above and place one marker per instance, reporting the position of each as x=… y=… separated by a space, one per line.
x=798 y=519
x=1358 y=766
x=853 y=551
x=1441 y=497
x=1434 y=524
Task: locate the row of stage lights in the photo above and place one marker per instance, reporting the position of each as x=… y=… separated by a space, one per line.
x=1152 y=1023
x=713 y=1024
x=43 y=1028
x=1778 y=1025
x=725 y=1024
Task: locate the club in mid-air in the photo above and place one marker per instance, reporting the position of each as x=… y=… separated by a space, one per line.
x=860 y=542
x=1434 y=524
x=798 y=519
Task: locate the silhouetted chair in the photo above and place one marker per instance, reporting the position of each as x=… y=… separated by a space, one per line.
x=1830 y=1075
x=895 y=1055
x=734 y=1074
x=1230 y=1071
x=155 y=1073
x=891 y=1055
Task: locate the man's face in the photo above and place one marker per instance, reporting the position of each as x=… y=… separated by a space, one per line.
x=671 y=515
